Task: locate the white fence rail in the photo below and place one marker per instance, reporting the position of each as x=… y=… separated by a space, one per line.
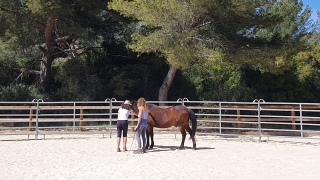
x=228 y=119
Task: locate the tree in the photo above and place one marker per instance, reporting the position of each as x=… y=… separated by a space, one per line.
x=55 y=27
x=202 y=32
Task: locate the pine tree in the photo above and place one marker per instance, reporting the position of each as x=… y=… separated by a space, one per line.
x=55 y=27
x=211 y=32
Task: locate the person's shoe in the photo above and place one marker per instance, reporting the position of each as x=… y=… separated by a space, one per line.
x=144 y=150
x=138 y=151
x=118 y=150
x=125 y=149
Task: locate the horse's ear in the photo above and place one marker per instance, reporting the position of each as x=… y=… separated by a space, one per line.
x=132 y=101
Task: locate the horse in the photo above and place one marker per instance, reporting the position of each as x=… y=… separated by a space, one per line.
x=166 y=117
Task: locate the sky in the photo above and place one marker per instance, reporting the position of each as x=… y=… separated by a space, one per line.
x=314 y=5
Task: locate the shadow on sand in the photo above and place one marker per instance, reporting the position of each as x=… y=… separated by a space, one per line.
x=160 y=148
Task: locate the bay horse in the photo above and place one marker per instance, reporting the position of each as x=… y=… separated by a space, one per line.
x=166 y=117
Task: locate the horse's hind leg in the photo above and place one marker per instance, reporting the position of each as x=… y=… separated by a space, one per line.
x=192 y=137
x=184 y=134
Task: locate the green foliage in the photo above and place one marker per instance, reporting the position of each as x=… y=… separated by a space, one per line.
x=165 y=28
x=121 y=85
x=210 y=41
x=221 y=83
x=308 y=65
x=188 y=31
x=45 y=8
x=35 y=24
x=271 y=48
x=279 y=88
x=7 y=65
x=292 y=25
x=205 y=37
x=75 y=80
x=20 y=92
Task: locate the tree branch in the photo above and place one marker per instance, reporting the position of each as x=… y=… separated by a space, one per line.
x=63 y=39
x=34 y=22
x=42 y=49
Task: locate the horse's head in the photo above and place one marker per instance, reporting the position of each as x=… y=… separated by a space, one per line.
x=134 y=106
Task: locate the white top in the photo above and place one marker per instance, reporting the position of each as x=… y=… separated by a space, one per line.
x=123 y=114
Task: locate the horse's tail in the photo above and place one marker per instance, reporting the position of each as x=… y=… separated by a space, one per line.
x=193 y=119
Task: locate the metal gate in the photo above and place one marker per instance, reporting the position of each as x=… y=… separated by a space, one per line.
x=217 y=118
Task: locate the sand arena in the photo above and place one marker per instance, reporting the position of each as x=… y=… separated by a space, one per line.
x=94 y=157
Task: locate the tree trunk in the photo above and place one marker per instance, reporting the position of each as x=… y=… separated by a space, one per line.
x=45 y=73
x=51 y=50
x=163 y=91
x=47 y=58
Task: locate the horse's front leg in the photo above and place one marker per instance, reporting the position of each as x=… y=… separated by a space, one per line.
x=151 y=138
x=184 y=134
x=147 y=134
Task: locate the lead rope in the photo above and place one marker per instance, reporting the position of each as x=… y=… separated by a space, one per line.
x=132 y=141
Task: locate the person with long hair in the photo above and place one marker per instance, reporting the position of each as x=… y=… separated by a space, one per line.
x=142 y=125
x=122 y=124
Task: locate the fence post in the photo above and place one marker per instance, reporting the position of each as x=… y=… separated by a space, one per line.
x=184 y=99
x=74 y=118
x=110 y=119
x=293 y=120
x=260 y=133
x=259 y=120
x=182 y=103
x=30 y=118
x=81 y=118
x=238 y=120
x=301 y=124
x=37 y=117
x=220 y=118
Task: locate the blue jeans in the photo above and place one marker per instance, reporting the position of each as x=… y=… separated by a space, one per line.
x=141 y=132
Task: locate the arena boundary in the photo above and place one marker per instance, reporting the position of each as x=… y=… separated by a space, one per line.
x=216 y=118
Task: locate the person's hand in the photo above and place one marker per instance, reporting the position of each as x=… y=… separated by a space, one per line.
x=136 y=128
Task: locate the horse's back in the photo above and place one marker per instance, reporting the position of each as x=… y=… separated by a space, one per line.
x=167 y=117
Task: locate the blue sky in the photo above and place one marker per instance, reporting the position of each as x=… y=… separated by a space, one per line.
x=314 y=5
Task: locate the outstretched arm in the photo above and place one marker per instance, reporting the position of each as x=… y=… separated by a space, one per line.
x=134 y=113
x=139 y=118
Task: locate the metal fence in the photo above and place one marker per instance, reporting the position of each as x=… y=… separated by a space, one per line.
x=218 y=118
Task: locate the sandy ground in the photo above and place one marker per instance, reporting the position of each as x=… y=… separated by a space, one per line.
x=94 y=157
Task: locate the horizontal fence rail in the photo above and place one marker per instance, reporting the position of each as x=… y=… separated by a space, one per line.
x=254 y=119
